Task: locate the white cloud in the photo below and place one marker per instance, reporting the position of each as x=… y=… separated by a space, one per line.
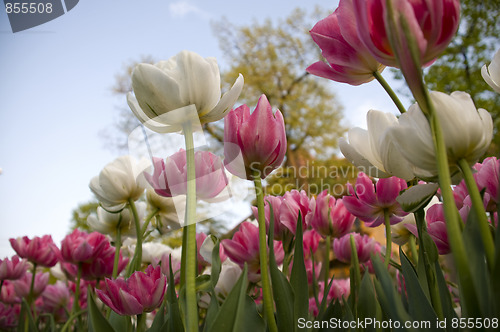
x=182 y=8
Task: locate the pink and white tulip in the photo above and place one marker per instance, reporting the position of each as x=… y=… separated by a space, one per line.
x=40 y=250
x=254 y=142
x=12 y=269
x=142 y=292
x=365 y=246
x=22 y=285
x=294 y=202
x=273 y=202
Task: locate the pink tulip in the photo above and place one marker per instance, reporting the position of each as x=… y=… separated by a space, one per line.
x=12 y=269
x=142 y=292
x=294 y=202
x=488 y=178
x=329 y=216
x=176 y=267
x=8 y=317
x=311 y=242
x=280 y=230
x=244 y=248
x=365 y=246
x=55 y=297
x=368 y=202
x=431 y=23
x=258 y=137
x=79 y=247
x=309 y=270
x=22 y=286
x=349 y=61
x=8 y=293
x=41 y=251
x=407 y=34
x=341 y=288
x=169 y=177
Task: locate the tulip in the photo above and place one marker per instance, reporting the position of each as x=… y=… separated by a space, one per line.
x=491 y=73
x=259 y=137
x=373 y=151
x=467 y=133
x=108 y=223
x=328 y=216
x=229 y=275
x=488 y=178
x=244 y=248
x=117 y=183
x=348 y=60
x=175 y=256
x=432 y=24
x=22 y=285
x=183 y=80
x=40 y=250
x=365 y=246
x=167 y=211
x=8 y=317
x=56 y=296
x=369 y=202
x=274 y=202
x=169 y=177
x=12 y=269
x=293 y=203
x=8 y=293
x=310 y=242
x=206 y=248
x=142 y=292
x=79 y=247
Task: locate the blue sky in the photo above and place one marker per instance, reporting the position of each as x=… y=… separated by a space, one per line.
x=55 y=95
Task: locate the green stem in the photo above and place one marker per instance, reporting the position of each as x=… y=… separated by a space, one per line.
x=413 y=249
x=191 y=253
x=141 y=323
x=327 y=259
x=266 y=286
x=355 y=276
x=453 y=221
x=118 y=246
x=477 y=205
x=76 y=301
x=389 y=91
x=148 y=220
x=135 y=265
x=388 y=238
x=32 y=287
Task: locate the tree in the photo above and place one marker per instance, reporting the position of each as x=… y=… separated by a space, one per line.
x=273 y=56
x=459 y=67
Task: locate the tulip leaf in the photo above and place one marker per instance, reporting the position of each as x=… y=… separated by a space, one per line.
x=119 y=322
x=446 y=302
x=232 y=315
x=366 y=306
x=213 y=309
x=477 y=263
x=96 y=320
x=419 y=306
x=159 y=320
x=298 y=278
x=417 y=197
x=203 y=283
x=174 y=320
x=25 y=315
x=390 y=302
x=282 y=291
x=355 y=276
x=495 y=275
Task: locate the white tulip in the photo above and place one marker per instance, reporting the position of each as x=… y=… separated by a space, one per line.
x=119 y=182
x=107 y=223
x=229 y=274
x=184 y=80
x=373 y=151
x=167 y=210
x=491 y=73
x=467 y=133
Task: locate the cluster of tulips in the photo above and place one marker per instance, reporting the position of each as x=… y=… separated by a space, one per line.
x=419 y=179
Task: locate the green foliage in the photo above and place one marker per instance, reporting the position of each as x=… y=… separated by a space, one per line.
x=459 y=67
x=81 y=213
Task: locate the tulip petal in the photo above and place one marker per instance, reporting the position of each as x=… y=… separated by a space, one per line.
x=226 y=102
